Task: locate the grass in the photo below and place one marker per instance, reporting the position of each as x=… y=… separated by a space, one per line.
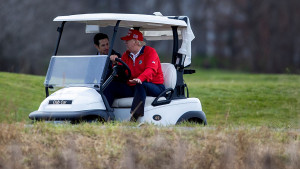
x=253 y=123
x=19 y=95
x=247 y=99
x=228 y=98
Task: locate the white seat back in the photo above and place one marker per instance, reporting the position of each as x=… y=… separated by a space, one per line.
x=170 y=75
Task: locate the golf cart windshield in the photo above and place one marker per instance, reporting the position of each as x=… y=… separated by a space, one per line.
x=75 y=71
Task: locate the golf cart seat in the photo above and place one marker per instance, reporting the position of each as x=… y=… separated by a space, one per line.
x=170 y=79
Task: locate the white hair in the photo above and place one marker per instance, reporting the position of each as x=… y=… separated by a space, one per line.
x=141 y=43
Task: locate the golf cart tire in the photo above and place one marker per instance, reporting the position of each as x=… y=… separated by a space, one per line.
x=193 y=116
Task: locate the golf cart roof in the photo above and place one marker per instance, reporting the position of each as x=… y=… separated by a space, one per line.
x=153 y=27
x=144 y=22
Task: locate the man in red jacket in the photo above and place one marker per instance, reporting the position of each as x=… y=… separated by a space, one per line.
x=146 y=74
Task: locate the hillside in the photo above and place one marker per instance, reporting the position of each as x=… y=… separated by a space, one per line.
x=227 y=98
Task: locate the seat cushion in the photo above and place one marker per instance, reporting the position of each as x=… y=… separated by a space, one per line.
x=126 y=102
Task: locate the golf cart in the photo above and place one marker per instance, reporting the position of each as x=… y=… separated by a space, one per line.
x=80 y=80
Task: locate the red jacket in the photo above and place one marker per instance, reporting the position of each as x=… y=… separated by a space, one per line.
x=147 y=66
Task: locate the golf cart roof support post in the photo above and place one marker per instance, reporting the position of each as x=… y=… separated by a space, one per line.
x=47 y=91
x=109 y=51
x=106 y=67
x=113 y=37
x=60 y=30
x=179 y=88
x=175 y=44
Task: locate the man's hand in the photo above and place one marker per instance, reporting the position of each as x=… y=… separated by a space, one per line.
x=112 y=58
x=136 y=80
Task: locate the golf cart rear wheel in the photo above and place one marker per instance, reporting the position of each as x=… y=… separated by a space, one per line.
x=193 y=117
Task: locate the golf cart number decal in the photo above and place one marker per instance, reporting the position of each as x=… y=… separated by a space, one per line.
x=60 y=101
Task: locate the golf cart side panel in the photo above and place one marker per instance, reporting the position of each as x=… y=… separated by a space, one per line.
x=122 y=114
x=169 y=114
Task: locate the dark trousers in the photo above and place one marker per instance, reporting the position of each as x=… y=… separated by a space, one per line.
x=120 y=90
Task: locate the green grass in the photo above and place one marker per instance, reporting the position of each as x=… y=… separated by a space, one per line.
x=228 y=98
x=247 y=99
x=19 y=95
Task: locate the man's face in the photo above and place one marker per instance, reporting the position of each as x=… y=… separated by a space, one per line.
x=130 y=45
x=103 y=46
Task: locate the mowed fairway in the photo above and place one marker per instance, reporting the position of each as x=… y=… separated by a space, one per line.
x=253 y=123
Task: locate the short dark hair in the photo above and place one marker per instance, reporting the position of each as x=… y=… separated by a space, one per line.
x=99 y=36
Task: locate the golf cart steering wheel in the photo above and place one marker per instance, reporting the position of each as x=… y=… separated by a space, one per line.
x=124 y=65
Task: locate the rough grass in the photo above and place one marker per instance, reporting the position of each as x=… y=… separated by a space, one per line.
x=120 y=145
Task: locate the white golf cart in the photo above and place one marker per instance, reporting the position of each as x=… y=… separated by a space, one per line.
x=81 y=79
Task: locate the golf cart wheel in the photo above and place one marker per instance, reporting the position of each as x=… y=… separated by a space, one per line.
x=194 y=120
x=197 y=117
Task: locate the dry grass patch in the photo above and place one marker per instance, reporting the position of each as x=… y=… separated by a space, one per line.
x=123 y=146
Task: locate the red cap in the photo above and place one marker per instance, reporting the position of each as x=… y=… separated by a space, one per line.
x=133 y=34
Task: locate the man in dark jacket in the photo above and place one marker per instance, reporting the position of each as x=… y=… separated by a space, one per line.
x=101 y=43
